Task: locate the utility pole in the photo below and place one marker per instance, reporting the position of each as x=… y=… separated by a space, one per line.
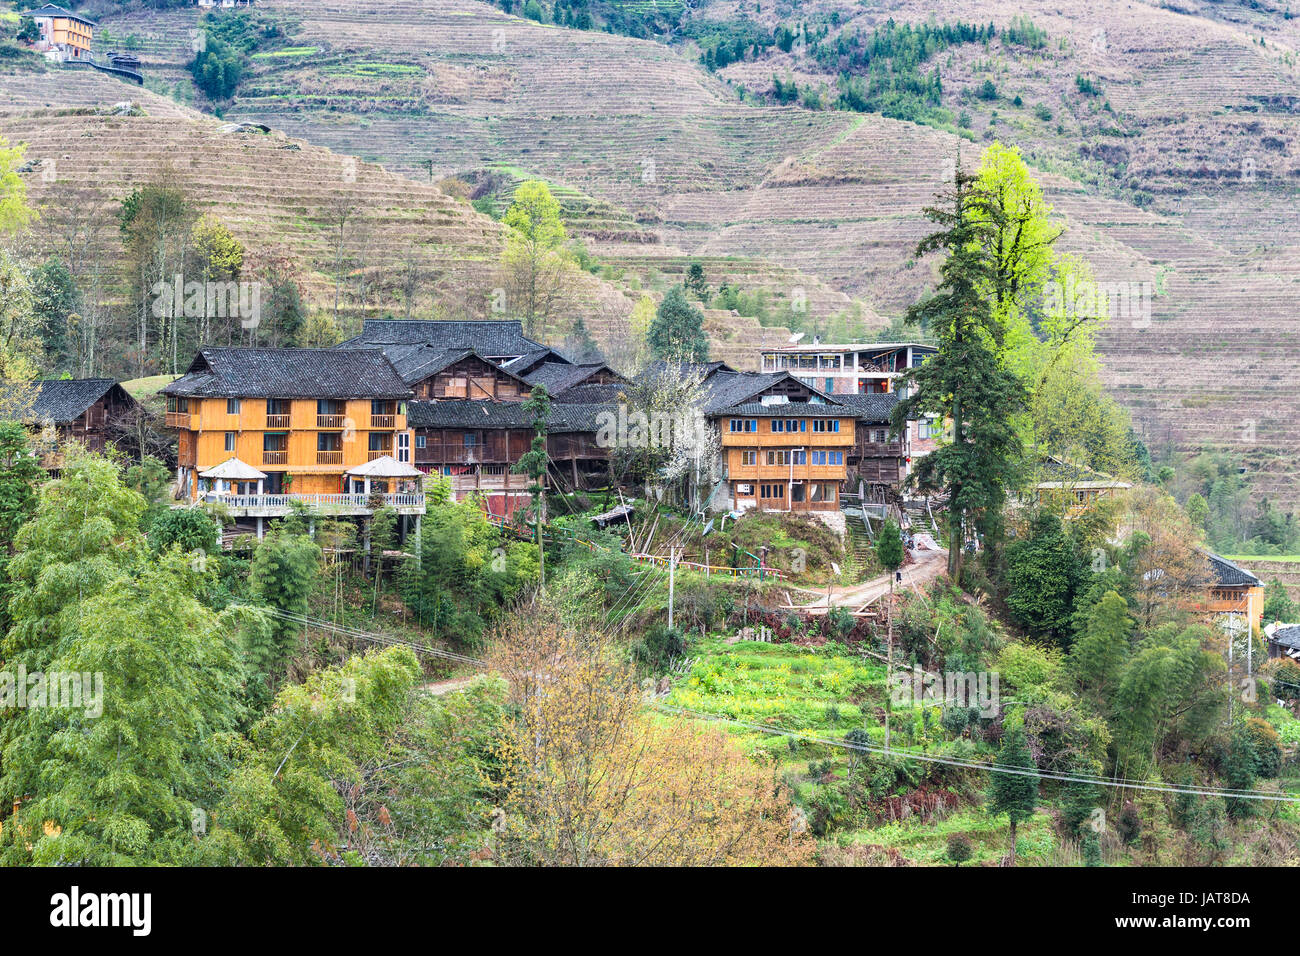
x=672 y=568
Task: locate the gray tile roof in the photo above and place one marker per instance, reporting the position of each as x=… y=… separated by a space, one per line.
x=874 y=407
x=494 y=339
x=62 y=400
x=1287 y=636
x=728 y=389
x=557 y=376
x=470 y=413
x=592 y=394
x=290 y=373
x=787 y=410
x=1226 y=574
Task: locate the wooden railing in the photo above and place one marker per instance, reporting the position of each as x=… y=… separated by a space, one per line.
x=275 y=458
x=374 y=453
x=383 y=421
x=277 y=421
x=330 y=421
x=178 y=419
x=329 y=457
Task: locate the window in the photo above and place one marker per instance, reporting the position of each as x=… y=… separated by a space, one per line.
x=882 y=435
x=421 y=441
x=771 y=491
x=471 y=439
x=830 y=385
x=230 y=441
x=403 y=447
x=275 y=441
x=826 y=425
x=744 y=424
x=781 y=457
x=796 y=491
x=277 y=406
x=232 y=406
x=800 y=457
x=329 y=441
x=749 y=458
x=789 y=425
x=828 y=458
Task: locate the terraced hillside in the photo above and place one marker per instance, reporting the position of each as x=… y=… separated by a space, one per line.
x=660 y=161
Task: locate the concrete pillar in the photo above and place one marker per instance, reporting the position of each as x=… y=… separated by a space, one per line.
x=259 y=529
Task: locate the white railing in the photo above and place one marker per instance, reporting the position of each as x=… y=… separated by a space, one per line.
x=324 y=502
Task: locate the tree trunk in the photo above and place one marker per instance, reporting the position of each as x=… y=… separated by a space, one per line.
x=1012 y=855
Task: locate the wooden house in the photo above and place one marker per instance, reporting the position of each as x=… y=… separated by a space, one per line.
x=95 y=412
x=1233 y=592
x=306 y=419
x=785 y=444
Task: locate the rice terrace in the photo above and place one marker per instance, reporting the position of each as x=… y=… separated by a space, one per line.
x=486 y=434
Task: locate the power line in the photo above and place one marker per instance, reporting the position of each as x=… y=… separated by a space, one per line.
x=1112 y=782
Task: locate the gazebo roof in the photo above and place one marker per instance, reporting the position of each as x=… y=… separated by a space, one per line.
x=385 y=466
x=232 y=469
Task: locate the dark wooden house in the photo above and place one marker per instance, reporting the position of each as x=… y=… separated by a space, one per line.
x=93 y=411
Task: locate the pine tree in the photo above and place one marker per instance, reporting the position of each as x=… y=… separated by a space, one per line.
x=1015 y=794
x=967 y=381
x=677 y=332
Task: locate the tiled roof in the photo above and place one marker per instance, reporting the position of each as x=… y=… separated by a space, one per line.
x=873 y=407
x=530 y=361
x=61 y=400
x=787 y=410
x=591 y=394
x=290 y=373
x=50 y=10
x=728 y=389
x=468 y=413
x=495 y=339
x=1287 y=636
x=557 y=376
x=1228 y=575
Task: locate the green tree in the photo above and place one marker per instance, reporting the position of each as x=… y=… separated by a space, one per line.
x=282 y=574
x=534 y=258
x=534 y=463
x=1098 y=655
x=677 y=332
x=122 y=777
x=889 y=552
x=14 y=210
x=1198 y=512
x=1278 y=606
x=1043 y=575
x=967 y=381
x=314 y=771
x=55 y=301
x=1015 y=794
x=21 y=475
x=696 y=283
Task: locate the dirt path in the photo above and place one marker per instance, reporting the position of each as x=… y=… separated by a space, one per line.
x=438 y=688
x=929 y=565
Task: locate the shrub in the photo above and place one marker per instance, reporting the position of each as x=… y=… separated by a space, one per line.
x=960 y=848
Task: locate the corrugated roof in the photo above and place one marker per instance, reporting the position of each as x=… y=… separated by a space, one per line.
x=290 y=373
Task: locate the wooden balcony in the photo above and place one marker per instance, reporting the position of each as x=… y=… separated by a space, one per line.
x=277 y=421
x=383 y=421
x=275 y=458
x=876 y=449
x=374 y=453
x=329 y=457
x=179 y=420
x=330 y=421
